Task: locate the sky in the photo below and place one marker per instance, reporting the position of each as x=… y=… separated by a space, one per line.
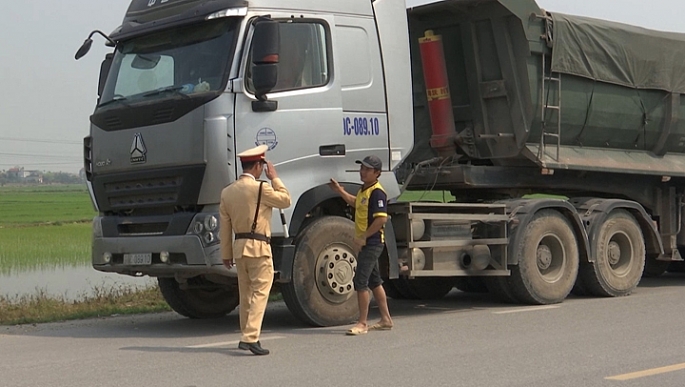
x=46 y=96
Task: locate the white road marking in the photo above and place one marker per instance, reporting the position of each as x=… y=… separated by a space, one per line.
x=233 y=342
x=531 y=309
x=649 y=372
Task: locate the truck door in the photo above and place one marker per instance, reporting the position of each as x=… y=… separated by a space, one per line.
x=304 y=133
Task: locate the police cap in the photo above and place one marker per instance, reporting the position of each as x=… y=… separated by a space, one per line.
x=254 y=154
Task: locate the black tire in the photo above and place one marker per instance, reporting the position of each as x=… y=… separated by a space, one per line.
x=578 y=287
x=500 y=288
x=391 y=291
x=471 y=284
x=619 y=259
x=676 y=267
x=202 y=299
x=547 y=260
x=430 y=288
x=654 y=268
x=404 y=291
x=311 y=296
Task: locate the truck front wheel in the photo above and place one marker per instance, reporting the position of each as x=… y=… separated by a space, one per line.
x=200 y=299
x=321 y=292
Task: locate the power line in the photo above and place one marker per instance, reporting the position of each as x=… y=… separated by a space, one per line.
x=41 y=165
x=42 y=140
x=42 y=156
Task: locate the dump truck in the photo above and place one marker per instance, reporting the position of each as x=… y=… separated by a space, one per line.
x=557 y=138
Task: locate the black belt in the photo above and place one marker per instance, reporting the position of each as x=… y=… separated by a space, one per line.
x=251 y=235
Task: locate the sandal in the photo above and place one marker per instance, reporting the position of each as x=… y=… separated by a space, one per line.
x=355 y=331
x=380 y=327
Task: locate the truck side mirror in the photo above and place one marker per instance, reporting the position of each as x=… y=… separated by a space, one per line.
x=85 y=47
x=104 y=72
x=83 y=50
x=265 y=50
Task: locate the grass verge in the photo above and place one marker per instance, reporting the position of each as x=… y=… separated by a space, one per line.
x=41 y=308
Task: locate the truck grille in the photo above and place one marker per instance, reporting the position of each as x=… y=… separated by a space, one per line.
x=149 y=192
x=144 y=229
x=161 y=188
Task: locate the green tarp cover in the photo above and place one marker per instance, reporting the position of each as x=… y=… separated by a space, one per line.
x=618 y=53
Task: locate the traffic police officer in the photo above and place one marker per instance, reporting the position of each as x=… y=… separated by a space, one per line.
x=245 y=211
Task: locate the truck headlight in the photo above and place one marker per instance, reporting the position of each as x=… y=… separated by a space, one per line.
x=205 y=226
x=211 y=223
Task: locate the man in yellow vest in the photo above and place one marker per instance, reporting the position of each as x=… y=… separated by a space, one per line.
x=245 y=211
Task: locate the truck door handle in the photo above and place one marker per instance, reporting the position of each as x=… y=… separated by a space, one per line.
x=332 y=150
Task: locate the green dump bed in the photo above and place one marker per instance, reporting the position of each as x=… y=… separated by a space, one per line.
x=535 y=88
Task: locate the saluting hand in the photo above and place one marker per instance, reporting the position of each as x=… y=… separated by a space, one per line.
x=270 y=170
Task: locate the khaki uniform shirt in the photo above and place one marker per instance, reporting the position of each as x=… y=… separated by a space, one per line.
x=237 y=210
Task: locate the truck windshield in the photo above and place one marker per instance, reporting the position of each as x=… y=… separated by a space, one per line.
x=178 y=62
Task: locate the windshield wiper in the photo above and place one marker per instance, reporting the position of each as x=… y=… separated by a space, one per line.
x=115 y=99
x=168 y=89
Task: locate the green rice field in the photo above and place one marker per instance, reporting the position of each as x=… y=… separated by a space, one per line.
x=44 y=227
x=31 y=205
x=40 y=247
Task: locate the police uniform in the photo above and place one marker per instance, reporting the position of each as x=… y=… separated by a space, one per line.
x=251 y=249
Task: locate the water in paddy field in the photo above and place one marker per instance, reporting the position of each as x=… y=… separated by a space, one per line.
x=69 y=282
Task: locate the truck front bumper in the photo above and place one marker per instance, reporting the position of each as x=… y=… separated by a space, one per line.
x=187 y=256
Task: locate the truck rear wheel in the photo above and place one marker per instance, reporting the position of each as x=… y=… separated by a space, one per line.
x=547 y=260
x=619 y=259
x=431 y=288
x=501 y=289
x=654 y=268
x=424 y=288
x=202 y=299
x=321 y=292
x=391 y=290
x=471 y=284
x=676 y=267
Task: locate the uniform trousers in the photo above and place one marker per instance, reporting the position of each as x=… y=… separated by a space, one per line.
x=255 y=277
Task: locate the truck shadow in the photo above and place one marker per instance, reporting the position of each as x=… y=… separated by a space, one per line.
x=278 y=319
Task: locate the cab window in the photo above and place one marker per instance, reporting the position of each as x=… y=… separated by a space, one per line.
x=303 y=58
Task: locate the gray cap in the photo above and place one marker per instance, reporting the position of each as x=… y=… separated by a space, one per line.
x=371 y=161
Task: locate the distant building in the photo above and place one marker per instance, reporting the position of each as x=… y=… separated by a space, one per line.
x=33 y=177
x=24 y=176
x=16 y=172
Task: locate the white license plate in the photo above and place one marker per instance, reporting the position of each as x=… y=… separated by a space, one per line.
x=138 y=259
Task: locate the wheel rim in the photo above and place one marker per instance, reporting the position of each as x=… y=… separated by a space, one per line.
x=335 y=268
x=551 y=257
x=620 y=253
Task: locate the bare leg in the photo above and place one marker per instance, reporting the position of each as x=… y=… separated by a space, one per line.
x=382 y=301
x=363 y=299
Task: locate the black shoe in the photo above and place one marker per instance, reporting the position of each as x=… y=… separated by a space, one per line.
x=244 y=346
x=256 y=348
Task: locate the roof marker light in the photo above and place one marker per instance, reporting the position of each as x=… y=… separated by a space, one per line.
x=242 y=11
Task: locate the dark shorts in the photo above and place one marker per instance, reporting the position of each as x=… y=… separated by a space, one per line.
x=368 y=276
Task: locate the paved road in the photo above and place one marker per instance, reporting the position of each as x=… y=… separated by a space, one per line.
x=462 y=340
